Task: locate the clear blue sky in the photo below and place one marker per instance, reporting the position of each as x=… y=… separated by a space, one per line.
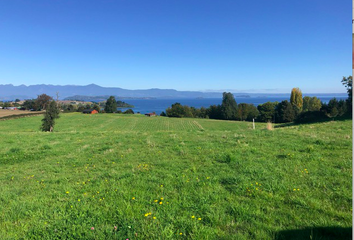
x=179 y=44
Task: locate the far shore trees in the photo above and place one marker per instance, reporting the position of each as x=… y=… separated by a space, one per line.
x=111 y=105
x=51 y=113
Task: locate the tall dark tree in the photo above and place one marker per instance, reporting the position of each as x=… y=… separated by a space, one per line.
x=111 y=105
x=285 y=112
x=43 y=101
x=267 y=111
x=214 y=112
x=228 y=106
x=51 y=113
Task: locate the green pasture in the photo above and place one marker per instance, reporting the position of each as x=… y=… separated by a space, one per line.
x=116 y=176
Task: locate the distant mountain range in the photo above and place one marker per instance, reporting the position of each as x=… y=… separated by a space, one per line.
x=94 y=92
x=11 y=92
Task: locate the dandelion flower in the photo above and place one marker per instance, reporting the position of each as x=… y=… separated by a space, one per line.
x=133 y=198
x=160 y=203
x=180 y=233
x=67 y=192
x=199 y=219
x=193 y=216
x=161 y=198
x=156 y=200
x=78 y=200
x=154 y=218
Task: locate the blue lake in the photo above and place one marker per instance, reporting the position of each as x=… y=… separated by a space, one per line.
x=158 y=105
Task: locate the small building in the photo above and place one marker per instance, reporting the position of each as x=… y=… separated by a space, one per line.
x=153 y=114
x=90 y=111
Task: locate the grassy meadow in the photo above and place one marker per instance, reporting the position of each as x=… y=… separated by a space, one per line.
x=114 y=176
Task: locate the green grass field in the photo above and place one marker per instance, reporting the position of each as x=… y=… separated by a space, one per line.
x=113 y=176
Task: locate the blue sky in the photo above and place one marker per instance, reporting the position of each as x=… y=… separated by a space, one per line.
x=237 y=45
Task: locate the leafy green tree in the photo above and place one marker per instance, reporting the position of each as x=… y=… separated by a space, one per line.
x=176 y=110
x=253 y=112
x=187 y=112
x=111 y=105
x=285 y=112
x=30 y=104
x=203 y=113
x=246 y=112
x=80 y=108
x=311 y=104
x=7 y=104
x=266 y=111
x=43 y=101
x=96 y=107
x=335 y=108
x=296 y=99
x=214 y=112
x=51 y=113
x=228 y=106
x=70 y=108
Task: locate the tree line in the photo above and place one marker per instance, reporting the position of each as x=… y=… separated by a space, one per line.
x=40 y=103
x=299 y=109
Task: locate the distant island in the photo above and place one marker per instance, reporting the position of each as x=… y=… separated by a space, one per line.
x=85 y=98
x=243 y=96
x=121 y=104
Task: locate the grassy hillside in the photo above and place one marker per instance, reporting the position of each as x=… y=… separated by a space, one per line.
x=111 y=176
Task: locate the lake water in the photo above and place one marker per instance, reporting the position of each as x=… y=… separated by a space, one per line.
x=158 y=105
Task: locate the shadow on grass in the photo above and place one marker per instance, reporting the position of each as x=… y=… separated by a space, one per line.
x=322 y=120
x=322 y=233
